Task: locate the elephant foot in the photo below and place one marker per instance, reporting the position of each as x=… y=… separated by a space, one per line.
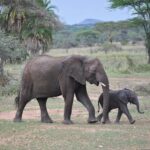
x=117 y=122
x=99 y=118
x=17 y=120
x=46 y=120
x=132 y=122
x=68 y=122
x=106 y=122
x=94 y=120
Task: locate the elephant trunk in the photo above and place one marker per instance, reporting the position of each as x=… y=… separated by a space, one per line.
x=138 y=108
x=103 y=80
x=105 y=103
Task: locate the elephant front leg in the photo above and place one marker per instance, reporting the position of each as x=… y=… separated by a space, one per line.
x=83 y=97
x=68 y=108
x=127 y=113
x=44 y=114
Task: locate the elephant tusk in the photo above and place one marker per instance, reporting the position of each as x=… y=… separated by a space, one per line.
x=103 y=84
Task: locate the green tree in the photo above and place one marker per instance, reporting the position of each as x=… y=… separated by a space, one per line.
x=87 y=37
x=10 y=49
x=109 y=29
x=32 y=20
x=141 y=8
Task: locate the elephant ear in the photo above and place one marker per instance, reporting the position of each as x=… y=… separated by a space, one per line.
x=123 y=97
x=73 y=67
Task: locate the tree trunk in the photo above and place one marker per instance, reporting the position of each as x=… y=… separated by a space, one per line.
x=148 y=55
x=147 y=44
x=1 y=68
x=3 y=78
x=2 y=82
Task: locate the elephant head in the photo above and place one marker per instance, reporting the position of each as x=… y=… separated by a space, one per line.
x=132 y=98
x=95 y=74
x=84 y=69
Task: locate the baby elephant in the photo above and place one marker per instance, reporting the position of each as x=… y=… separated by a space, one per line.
x=119 y=99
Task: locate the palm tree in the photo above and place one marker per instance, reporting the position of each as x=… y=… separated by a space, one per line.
x=32 y=20
x=37 y=37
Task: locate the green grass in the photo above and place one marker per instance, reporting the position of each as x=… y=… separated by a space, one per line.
x=31 y=134
x=34 y=135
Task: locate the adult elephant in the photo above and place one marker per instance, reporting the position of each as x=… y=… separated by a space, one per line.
x=47 y=76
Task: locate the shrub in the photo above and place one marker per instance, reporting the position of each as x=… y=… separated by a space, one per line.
x=108 y=47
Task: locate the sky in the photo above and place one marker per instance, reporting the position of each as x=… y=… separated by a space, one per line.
x=75 y=11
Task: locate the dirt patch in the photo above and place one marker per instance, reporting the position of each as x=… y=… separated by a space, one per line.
x=35 y=114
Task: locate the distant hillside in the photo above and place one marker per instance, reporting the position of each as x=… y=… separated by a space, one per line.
x=89 y=22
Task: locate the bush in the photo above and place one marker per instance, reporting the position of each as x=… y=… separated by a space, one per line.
x=143 y=89
x=142 y=68
x=3 y=80
x=10 y=89
x=108 y=47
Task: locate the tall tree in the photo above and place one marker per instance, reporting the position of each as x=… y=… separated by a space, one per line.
x=141 y=8
x=32 y=20
x=10 y=49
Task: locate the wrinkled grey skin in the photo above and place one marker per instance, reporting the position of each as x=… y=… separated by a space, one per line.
x=46 y=76
x=119 y=99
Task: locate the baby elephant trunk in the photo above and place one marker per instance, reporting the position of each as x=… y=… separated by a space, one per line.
x=138 y=108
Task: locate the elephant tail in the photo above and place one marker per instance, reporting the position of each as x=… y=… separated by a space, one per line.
x=17 y=100
x=100 y=101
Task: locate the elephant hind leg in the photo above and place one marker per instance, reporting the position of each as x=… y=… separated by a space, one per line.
x=44 y=114
x=99 y=117
x=107 y=118
x=21 y=106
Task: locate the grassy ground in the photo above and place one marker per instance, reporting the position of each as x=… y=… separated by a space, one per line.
x=31 y=134
x=34 y=135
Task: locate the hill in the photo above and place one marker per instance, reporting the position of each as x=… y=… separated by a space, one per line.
x=89 y=22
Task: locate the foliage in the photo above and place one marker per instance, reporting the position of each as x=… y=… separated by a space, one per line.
x=32 y=20
x=141 y=8
x=10 y=47
x=9 y=89
x=87 y=37
x=143 y=89
x=110 y=26
x=10 y=50
x=108 y=47
x=76 y=36
x=118 y=31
